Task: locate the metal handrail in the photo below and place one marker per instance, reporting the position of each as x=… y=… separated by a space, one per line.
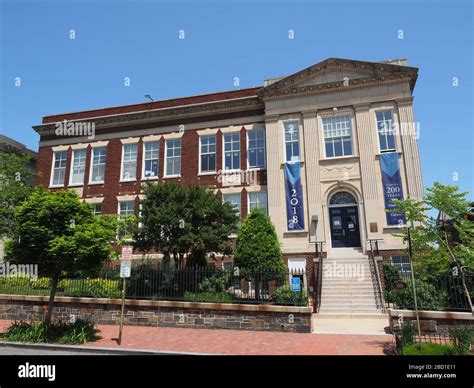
x=377 y=272
x=319 y=254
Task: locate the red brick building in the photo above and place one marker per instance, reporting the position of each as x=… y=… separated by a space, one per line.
x=337 y=121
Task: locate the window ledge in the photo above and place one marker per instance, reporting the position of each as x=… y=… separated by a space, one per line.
x=127 y=180
x=337 y=158
x=96 y=183
x=55 y=186
x=207 y=173
x=171 y=176
x=388 y=152
x=75 y=185
x=150 y=178
x=256 y=168
x=282 y=164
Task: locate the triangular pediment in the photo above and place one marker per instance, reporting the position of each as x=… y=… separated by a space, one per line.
x=334 y=72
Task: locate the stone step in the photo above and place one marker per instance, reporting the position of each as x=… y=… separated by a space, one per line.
x=350 y=304
x=367 y=294
x=352 y=298
x=351 y=310
x=374 y=315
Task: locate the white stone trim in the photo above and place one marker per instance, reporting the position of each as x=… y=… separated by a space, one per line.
x=60 y=148
x=99 y=144
x=151 y=138
x=231 y=129
x=124 y=198
x=79 y=146
x=94 y=200
x=208 y=132
x=173 y=135
x=256 y=188
x=130 y=140
x=231 y=190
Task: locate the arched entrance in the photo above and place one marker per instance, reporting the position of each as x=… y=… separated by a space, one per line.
x=344 y=220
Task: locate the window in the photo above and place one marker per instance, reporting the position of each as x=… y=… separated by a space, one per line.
x=96 y=208
x=292 y=141
x=256 y=148
x=232 y=151
x=150 y=159
x=129 y=162
x=208 y=153
x=385 y=131
x=402 y=263
x=78 y=167
x=127 y=208
x=99 y=156
x=173 y=157
x=233 y=199
x=337 y=136
x=59 y=168
x=227 y=265
x=342 y=198
x=258 y=200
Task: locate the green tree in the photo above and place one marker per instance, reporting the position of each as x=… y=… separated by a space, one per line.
x=185 y=222
x=257 y=249
x=436 y=249
x=59 y=233
x=15 y=179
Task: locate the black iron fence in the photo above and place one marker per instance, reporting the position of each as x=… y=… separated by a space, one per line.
x=444 y=293
x=207 y=284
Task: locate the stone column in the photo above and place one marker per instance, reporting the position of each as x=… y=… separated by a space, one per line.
x=411 y=157
x=367 y=151
x=311 y=144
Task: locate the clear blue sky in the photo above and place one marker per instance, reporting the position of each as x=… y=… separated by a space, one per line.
x=245 y=39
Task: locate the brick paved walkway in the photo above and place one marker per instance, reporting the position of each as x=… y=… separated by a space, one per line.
x=237 y=342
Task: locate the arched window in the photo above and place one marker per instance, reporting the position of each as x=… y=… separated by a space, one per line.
x=342 y=198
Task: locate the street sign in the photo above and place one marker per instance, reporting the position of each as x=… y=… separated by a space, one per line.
x=125 y=268
x=127 y=251
x=295 y=284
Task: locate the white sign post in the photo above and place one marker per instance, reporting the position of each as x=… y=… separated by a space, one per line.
x=125 y=271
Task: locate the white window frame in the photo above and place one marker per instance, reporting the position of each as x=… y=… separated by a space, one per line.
x=249 y=167
x=71 y=170
x=144 y=177
x=52 y=169
x=256 y=193
x=240 y=201
x=391 y=130
x=223 y=152
x=93 y=208
x=338 y=137
x=165 y=174
x=284 y=123
x=91 y=177
x=122 y=179
x=127 y=201
x=210 y=172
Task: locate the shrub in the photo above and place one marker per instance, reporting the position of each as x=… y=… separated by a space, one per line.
x=216 y=297
x=15 y=281
x=462 y=338
x=216 y=283
x=390 y=276
x=407 y=333
x=79 y=332
x=428 y=349
x=284 y=295
x=428 y=297
x=94 y=288
x=41 y=283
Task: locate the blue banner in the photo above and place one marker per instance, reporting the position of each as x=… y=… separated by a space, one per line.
x=392 y=186
x=294 y=196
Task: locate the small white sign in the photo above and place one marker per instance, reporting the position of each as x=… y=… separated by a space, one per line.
x=125 y=268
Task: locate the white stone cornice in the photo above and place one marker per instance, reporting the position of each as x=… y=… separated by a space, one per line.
x=208 y=131
x=122 y=198
x=98 y=144
x=94 y=200
x=149 y=138
x=79 y=146
x=60 y=148
x=173 y=135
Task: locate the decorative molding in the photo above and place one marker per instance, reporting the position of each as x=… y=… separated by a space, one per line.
x=130 y=140
x=79 y=146
x=98 y=144
x=60 y=148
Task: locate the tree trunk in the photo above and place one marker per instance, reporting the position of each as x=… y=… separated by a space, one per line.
x=54 y=287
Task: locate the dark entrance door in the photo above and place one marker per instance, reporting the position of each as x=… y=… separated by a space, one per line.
x=344 y=227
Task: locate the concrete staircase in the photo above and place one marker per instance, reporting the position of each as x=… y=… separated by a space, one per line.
x=347 y=287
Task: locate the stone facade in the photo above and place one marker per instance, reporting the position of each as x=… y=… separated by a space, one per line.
x=161 y=313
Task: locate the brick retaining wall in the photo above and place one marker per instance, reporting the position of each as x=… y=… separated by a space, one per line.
x=161 y=313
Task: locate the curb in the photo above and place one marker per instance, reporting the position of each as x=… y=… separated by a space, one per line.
x=102 y=350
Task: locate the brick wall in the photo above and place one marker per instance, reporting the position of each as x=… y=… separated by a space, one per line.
x=112 y=186
x=162 y=313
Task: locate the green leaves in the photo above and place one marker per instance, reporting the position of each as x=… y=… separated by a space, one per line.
x=257 y=247
x=182 y=220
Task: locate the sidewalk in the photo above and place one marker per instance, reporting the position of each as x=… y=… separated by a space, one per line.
x=239 y=342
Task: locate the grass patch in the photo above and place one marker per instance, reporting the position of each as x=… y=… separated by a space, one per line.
x=79 y=332
x=429 y=349
x=215 y=297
